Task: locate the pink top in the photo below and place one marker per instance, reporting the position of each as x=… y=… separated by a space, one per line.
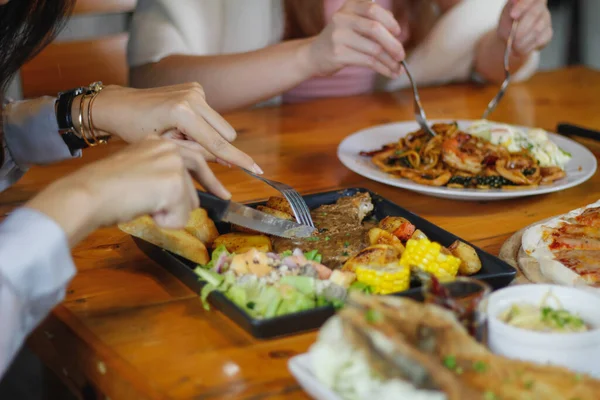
x=346 y=82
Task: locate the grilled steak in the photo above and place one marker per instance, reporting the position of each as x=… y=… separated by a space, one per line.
x=341 y=230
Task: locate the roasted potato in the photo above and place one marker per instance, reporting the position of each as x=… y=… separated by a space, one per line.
x=379 y=254
x=343 y=278
x=179 y=242
x=379 y=236
x=418 y=234
x=280 y=204
x=239 y=242
x=275 y=213
x=202 y=227
x=400 y=227
x=470 y=262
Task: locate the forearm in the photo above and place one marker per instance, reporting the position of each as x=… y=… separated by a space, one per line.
x=233 y=80
x=70 y=206
x=489 y=58
x=35 y=268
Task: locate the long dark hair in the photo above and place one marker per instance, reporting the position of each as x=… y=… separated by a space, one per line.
x=26 y=27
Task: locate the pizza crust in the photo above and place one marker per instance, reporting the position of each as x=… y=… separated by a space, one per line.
x=528 y=269
x=543 y=268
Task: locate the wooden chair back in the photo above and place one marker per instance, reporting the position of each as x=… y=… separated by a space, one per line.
x=67 y=64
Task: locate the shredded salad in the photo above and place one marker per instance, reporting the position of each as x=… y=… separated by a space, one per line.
x=267 y=285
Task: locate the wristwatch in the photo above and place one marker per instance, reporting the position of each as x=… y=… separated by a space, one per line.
x=64 y=117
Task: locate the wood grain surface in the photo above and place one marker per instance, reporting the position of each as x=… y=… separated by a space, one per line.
x=130 y=330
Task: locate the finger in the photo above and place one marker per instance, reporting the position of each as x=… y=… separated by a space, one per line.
x=543 y=39
x=200 y=170
x=194 y=146
x=366 y=46
x=373 y=11
x=520 y=7
x=176 y=214
x=352 y=57
x=194 y=126
x=526 y=27
x=193 y=199
x=377 y=32
x=215 y=120
x=538 y=36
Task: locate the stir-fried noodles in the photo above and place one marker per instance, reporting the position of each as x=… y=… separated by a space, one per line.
x=457 y=159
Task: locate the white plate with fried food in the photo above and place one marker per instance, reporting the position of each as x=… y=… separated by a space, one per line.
x=468 y=160
x=389 y=347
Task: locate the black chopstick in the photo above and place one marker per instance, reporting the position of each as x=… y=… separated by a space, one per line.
x=574 y=130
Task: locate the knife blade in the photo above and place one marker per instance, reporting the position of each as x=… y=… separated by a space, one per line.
x=574 y=130
x=239 y=214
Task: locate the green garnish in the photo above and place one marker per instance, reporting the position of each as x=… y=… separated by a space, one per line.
x=345 y=254
x=313 y=255
x=566 y=153
x=346 y=244
x=529 y=384
x=561 y=318
x=373 y=316
x=578 y=377
x=324 y=214
x=347 y=234
x=488 y=395
x=480 y=366
x=450 y=362
x=286 y=253
x=327 y=238
x=251 y=305
x=312 y=239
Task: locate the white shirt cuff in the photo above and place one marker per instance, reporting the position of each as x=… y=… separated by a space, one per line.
x=35 y=258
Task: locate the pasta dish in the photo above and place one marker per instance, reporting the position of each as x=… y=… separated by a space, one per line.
x=459 y=159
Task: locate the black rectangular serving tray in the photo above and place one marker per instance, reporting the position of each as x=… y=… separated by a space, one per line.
x=494 y=271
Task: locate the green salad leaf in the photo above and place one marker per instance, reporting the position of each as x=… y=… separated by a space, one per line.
x=215 y=256
x=361 y=287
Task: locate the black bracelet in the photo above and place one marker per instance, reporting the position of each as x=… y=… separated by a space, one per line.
x=64 y=118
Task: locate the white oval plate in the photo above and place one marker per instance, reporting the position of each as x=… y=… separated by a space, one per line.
x=301 y=368
x=579 y=169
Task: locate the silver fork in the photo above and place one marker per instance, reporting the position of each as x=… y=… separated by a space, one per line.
x=299 y=207
x=492 y=105
x=419 y=112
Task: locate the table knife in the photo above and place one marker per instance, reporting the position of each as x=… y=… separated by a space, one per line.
x=239 y=214
x=574 y=130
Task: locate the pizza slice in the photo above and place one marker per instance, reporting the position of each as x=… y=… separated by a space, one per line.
x=566 y=249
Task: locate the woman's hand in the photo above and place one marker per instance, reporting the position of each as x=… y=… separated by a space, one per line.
x=361 y=33
x=535 y=25
x=179 y=112
x=150 y=177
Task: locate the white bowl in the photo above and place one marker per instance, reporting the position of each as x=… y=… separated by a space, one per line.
x=579 y=352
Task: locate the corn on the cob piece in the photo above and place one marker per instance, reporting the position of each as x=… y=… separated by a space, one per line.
x=390 y=278
x=428 y=256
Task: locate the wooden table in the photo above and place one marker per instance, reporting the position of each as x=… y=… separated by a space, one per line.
x=130 y=330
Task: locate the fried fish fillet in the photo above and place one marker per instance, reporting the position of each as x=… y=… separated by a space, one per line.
x=427 y=341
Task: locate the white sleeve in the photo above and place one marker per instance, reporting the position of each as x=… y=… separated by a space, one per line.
x=35 y=268
x=30 y=137
x=448 y=53
x=161 y=28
